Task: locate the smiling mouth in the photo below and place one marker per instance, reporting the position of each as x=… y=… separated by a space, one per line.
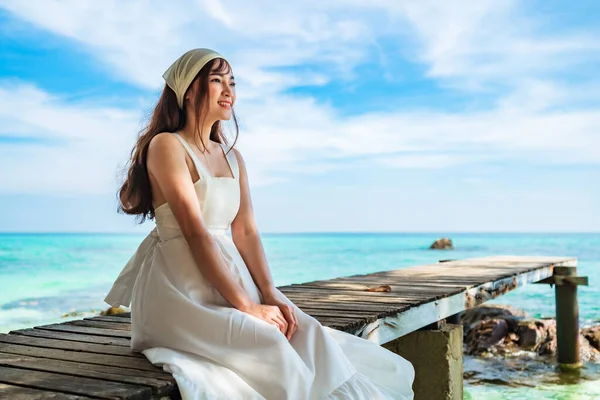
x=224 y=105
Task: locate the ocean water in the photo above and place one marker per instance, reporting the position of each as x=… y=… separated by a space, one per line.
x=43 y=276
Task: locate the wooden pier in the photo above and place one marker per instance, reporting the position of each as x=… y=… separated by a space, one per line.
x=91 y=358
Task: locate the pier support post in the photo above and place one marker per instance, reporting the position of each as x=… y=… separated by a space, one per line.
x=567 y=321
x=436 y=355
x=566 y=281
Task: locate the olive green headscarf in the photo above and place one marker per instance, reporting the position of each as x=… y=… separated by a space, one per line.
x=182 y=72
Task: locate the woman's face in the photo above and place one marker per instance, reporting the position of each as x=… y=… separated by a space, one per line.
x=221 y=95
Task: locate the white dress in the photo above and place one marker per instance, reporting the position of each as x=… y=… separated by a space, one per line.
x=214 y=351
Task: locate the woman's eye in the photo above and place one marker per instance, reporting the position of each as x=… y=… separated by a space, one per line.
x=219 y=80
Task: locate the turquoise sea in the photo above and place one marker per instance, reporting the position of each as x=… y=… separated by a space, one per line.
x=43 y=276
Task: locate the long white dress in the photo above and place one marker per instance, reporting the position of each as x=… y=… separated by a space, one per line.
x=214 y=351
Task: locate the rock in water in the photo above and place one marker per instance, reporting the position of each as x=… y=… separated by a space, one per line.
x=442 y=244
x=485 y=334
x=592 y=335
x=471 y=316
x=501 y=330
x=534 y=333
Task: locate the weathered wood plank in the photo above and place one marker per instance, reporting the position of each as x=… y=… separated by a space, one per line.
x=71 y=346
x=109 y=318
x=64 y=383
x=90 y=358
x=160 y=384
x=13 y=392
x=350 y=299
x=350 y=316
x=73 y=337
x=339 y=296
x=157 y=374
x=101 y=325
x=85 y=329
x=308 y=306
x=408 y=292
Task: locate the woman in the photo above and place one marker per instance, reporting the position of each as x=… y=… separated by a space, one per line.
x=203 y=303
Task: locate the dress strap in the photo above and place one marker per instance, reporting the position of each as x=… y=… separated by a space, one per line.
x=200 y=168
x=231 y=160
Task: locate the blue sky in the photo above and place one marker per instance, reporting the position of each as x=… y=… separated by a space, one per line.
x=354 y=116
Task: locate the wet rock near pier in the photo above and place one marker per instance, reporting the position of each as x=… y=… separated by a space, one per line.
x=592 y=335
x=502 y=330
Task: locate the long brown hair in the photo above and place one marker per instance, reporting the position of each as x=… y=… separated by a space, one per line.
x=135 y=195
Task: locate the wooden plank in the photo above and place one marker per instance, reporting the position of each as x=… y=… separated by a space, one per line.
x=316 y=296
x=110 y=318
x=333 y=299
x=415 y=294
x=101 y=324
x=363 y=285
x=341 y=323
x=359 y=306
x=87 y=330
x=65 y=384
x=451 y=276
x=338 y=315
x=159 y=384
x=157 y=374
x=71 y=346
x=13 y=392
x=73 y=337
x=334 y=311
x=90 y=358
x=396 y=292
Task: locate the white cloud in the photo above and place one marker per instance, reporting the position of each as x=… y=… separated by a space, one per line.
x=138 y=40
x=474 y=46
x=75 y=148
x=476 y=43
x=282 y=136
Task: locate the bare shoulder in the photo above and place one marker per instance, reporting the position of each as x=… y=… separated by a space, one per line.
x=164 y=142
x=165 y=155
x=238 y=155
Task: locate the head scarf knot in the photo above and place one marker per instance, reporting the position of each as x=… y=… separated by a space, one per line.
x=182 y=72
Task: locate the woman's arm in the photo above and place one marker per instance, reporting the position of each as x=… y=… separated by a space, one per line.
x=166 y=163
x=247 y=240
x=245 y=235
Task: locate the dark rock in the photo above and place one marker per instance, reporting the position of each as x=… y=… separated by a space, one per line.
x=588 y=351
x=500 y=330
x=511 y=315
x=592 y=335
x=533 y=333
x=442 y=244
x=485 y=334
x=548 y=348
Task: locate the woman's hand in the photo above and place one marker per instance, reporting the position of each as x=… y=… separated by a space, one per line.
x=275 y=298
x=270 y=314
